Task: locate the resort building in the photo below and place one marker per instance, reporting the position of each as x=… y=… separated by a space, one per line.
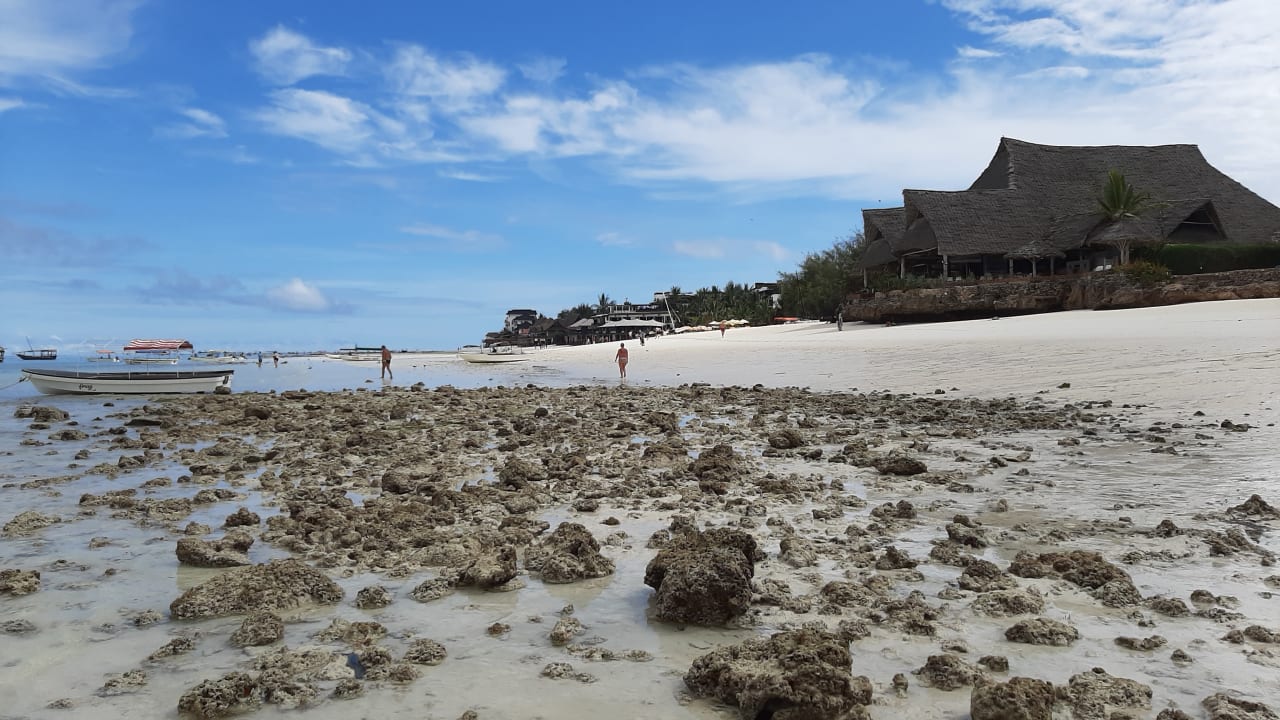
x=656 y=312
x=518 y=320
x=1035 y=210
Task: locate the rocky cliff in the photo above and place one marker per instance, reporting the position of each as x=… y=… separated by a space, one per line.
x=1100 y=291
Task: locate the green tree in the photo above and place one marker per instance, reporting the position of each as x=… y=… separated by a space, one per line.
x=819 y=286
x=603 y=303
x=1122 y=206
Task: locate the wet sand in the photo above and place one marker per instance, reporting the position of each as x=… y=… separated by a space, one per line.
x=1096 y=466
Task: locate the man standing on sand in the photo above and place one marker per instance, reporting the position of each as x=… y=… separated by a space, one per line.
x=621 y=359
x=721 y=329
x=386 y=363
x=275 y=357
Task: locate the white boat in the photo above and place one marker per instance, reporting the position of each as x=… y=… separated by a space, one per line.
x=71 y=382
x=103 y=356
x=149 y=357
x=356 y=354
x=502 y=354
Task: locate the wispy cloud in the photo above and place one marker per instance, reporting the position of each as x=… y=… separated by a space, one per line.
x=452 y=85
x=197 y=123
x=298 y=295
x=284 y=57
x=44 y=246
x=466 y=240
x=544 y=70
x=331 y=121
x=613 y=239
x=701 y=249
x=43 y=39
x=469 y=176
x=11 y=103
x=772 y=250
x=968 y=51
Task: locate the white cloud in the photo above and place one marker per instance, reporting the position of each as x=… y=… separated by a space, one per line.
x=199 y=124
x=298 y=295
x=452 y=85
x=772 y=249
x=39 y=38
x=11 y=103
x=331 y=121
x=468 y=176
x=968 y=51
x=613 y=239
x=701 y=249
x=545 y=70
x=284 y=57
x=462 y=240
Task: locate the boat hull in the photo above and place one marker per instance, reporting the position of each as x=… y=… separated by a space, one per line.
x=39 y=355
x=69 y=382
x=492 y=358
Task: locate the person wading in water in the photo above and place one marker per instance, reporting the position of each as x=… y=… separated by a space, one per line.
x=386 y=363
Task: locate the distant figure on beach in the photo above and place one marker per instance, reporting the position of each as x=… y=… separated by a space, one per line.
x=386 y=363
x=641 y=339
x=840 y=321
x=259 y=359
x=275 y=357
x=721 y=329
x=621 y=359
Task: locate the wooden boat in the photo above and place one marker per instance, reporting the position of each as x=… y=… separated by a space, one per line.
x=46 y=354
x=71 y=382
x=504 y=354
x=356 y=354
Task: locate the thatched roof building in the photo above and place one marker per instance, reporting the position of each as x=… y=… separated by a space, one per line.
x=1034 y=202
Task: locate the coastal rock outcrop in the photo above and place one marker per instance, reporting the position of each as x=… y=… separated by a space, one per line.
x=228 y=551
x=570 y=553
x=792 y=675
x=28 y=522
x=277 y=585
x=1021 y=698
x=1108 y=582
x=703 y=578
x=19 y=582
x=1042 y=631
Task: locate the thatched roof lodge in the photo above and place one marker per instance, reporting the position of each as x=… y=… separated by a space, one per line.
x=1035 y=209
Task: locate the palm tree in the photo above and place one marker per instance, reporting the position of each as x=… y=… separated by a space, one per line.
x=1121 y=206
x=603 y=303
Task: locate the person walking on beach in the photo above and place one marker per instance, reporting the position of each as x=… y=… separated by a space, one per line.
x=275 y=357
x=386 y=363
x=259 y=359
x=840 y=321
x=621 y=359
x=721 y=329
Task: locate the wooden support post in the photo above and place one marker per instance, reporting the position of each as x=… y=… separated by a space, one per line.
x=945 y=268
x=1011 y=266
x=902 y=267
x=1050 y=264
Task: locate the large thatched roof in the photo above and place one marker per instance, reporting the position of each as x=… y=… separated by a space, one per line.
x=1043 y=199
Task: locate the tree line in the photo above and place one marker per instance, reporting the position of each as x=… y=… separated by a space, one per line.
x=816 y=289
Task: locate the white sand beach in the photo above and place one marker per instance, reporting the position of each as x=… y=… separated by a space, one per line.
x=1124 y=449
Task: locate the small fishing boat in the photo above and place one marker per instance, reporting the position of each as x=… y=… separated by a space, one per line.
x=103 y=356
x=356 y=354
x=71 y=382
x=32 y=354
x=154 y=352
x=495 y=354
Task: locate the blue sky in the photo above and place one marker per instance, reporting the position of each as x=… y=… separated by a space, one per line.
x=305 y=175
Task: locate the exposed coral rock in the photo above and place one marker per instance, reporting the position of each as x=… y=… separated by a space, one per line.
x=19 y=582
x=703 y=578
x=423 y=651
x=1042 y=631
x=570 y=553
x=243 y=517
x=433 y=589
x=490 y=568
x=947 y=672
x=373 y=597
x=260 y=628
x=984 y=576
x=277 y=585
x=898 y=464
x=180 y=645
x=1000 y=603
x=1222 y=706
x=1085 y=569
x=1095 y=695
x=28 y=522
x=1147 y=643
x=790 y=675
x=894 y=559
x=1255 y=506
x=1020 y=698
x=565 y=630
x=233 y=692
x=228 y=551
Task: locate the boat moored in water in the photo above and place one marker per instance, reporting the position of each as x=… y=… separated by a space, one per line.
x=495 y=354
x=72 y=382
